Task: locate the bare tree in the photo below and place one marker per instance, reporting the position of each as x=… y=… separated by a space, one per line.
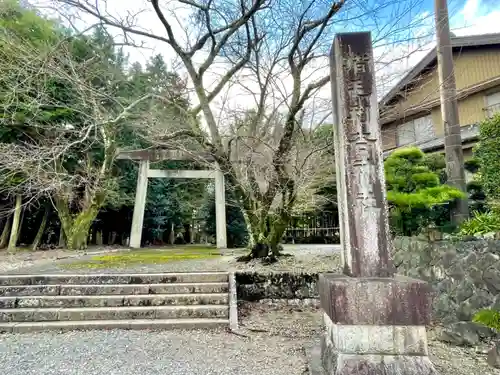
x=69 y=130
x=271 y=53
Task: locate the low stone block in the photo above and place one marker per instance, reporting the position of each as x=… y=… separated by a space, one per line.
x=135 y=313
x=106 y=313
x=78 y=290
x=139 y=300
x=72 y=290
x=185 y=288
x=196 y=277
x=7 y=302
x=27 y=302
x=17 y=315
x=102 y=279
x=375 y=357
x=376 y=301
x=44 y=315
x=371 y=339
x=78 y=314
x=102 y=301
x=84 y=301
x=173 y=312
x=352 y=364
x=29 y=290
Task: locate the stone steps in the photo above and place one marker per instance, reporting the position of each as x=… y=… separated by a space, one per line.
x=114 y=300
x=104 y=301
x=112 y=289
x=116 y=278
x=150 y=324
x=110 y=313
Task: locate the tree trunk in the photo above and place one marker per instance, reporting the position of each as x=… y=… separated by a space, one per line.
x=171 y=238
x=265 y=234
x=4 y=240
x=14 y=232
x=41 y=230
x=98 y=240
x=93 y=235
x=112 y=240
x=62 y=237
x=77 y=229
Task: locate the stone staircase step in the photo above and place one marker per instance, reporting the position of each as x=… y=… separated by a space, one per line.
x=114 y=300
x=113 y=313
x=113 y=289
x=115 y=278
x=150 y=324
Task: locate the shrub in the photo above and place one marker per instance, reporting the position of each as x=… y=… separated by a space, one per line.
x=481 y=223
x=415 y=191
x=489 y=318
x=486 y=153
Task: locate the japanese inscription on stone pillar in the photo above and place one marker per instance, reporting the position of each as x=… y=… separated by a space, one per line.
x=364 y=227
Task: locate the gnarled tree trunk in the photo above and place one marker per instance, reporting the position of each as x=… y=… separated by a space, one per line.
x=14 y=232
x=265 y=233
x=4 y=239
x=41 y=229
x=76 y=226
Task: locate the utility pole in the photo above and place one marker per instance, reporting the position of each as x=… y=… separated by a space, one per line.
x=449 y=110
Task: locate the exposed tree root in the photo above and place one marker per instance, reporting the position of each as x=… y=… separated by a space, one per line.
x=261 y=252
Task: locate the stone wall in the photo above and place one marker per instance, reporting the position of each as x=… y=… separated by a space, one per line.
x=465 y=276
x=252 y=286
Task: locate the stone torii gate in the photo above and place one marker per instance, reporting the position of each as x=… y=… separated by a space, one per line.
x=145 y=157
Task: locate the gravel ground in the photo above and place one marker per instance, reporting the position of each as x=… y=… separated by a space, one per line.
x=270 y=342
x=304 y=324
x=147 y=353
x=27 y=260
x=10 y=261
x=306 y=258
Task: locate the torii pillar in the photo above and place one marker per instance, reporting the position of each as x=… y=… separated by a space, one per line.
x=144 y=173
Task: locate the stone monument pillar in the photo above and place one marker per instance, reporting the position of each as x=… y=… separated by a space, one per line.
x=375 y=321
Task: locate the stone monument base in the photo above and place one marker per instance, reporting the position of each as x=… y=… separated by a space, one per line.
x=375 y=326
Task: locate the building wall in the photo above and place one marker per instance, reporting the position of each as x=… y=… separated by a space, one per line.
x=470 y=111
x=426 y=90
x=389 y=136
x=472 y=67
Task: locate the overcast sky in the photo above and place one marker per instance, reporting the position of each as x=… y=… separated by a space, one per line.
x=467 y=17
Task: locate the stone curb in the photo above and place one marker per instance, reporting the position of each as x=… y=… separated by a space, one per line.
x=113 y=313
x=114 y=300
x=233 y=303
x=149 y=324
x=113 y=289
x=114 y=278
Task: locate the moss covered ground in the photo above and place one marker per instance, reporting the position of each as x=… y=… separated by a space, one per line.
x=145 y=256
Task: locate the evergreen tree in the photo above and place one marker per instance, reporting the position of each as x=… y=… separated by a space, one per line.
x=414 y=191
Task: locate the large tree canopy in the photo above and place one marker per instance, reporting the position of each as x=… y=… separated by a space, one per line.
x=256 y=69
x=69 y=102
x=248 y=91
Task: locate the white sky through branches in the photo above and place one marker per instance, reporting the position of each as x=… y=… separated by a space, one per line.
x=396 y=50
